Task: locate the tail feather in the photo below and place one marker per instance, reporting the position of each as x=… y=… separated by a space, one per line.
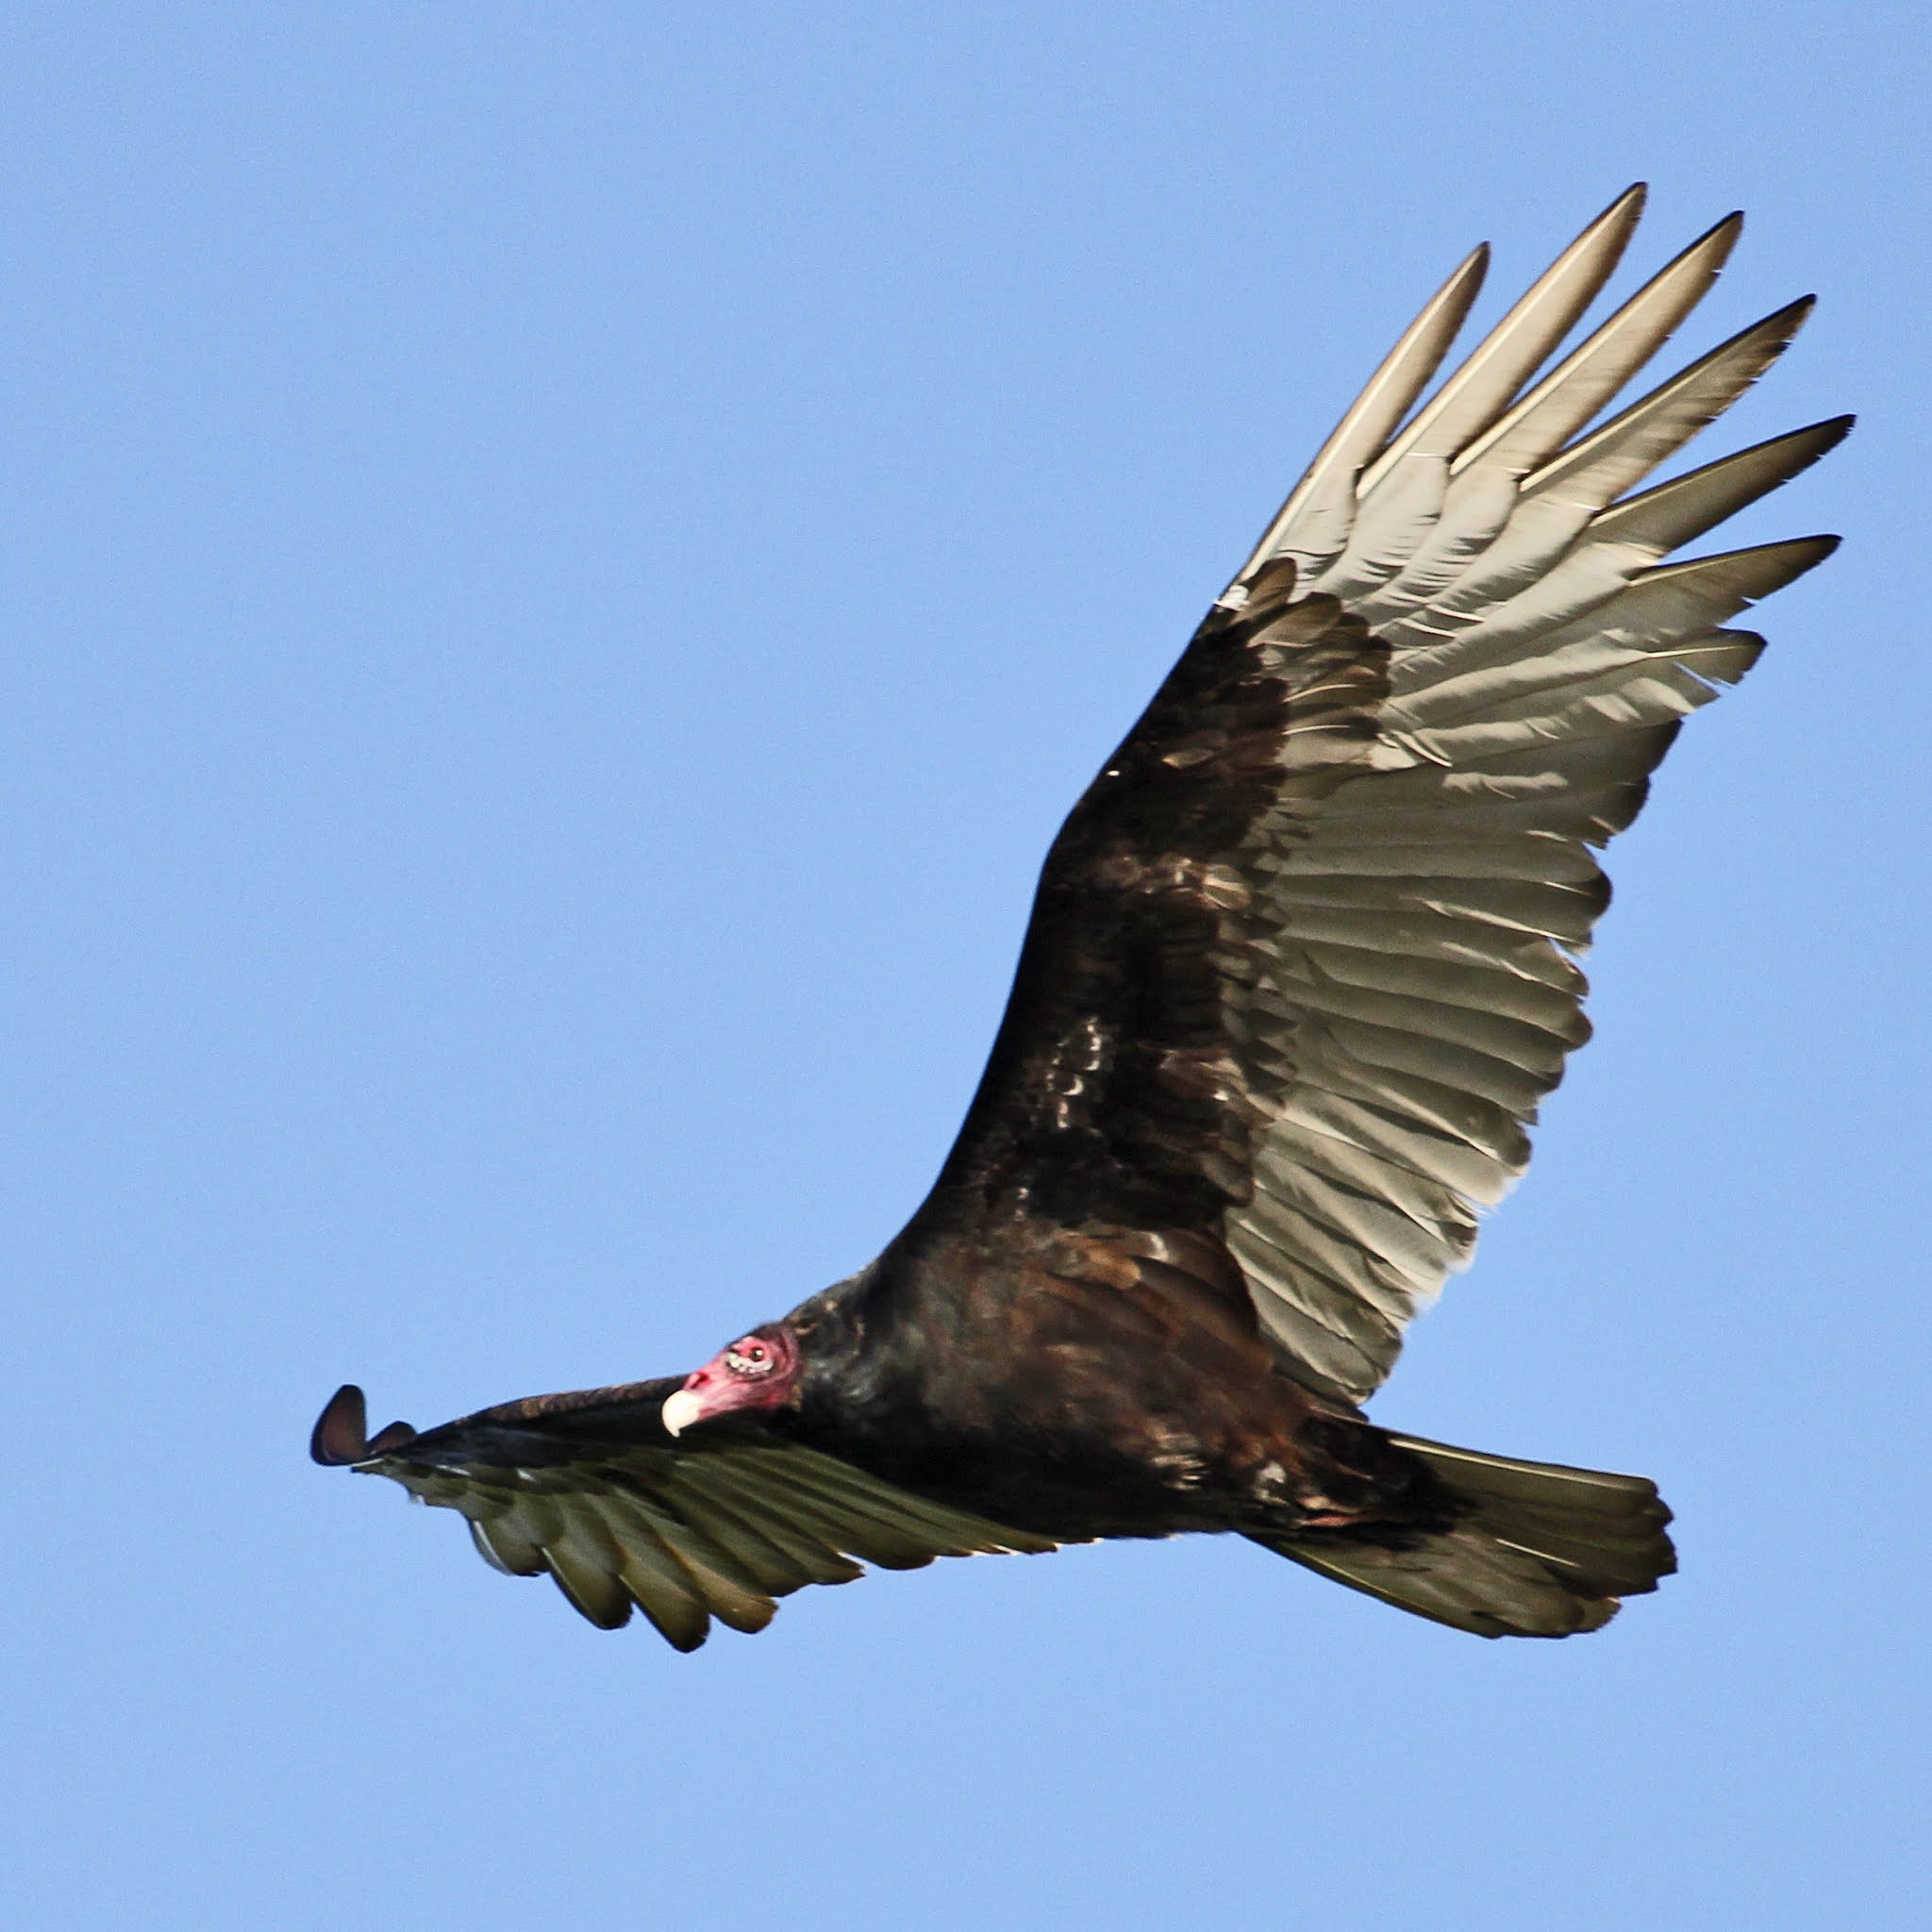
x=1536 y=1549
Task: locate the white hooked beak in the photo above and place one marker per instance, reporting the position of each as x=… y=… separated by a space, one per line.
x=681 y=1409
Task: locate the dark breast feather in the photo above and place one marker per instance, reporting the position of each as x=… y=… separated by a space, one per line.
x=1100 y=1382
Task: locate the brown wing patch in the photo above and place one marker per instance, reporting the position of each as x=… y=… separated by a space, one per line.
x=1114 y=1090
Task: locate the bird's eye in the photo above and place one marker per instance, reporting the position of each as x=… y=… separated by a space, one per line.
x=749 y=1358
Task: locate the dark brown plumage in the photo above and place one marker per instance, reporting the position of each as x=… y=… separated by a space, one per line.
x=1300 y=967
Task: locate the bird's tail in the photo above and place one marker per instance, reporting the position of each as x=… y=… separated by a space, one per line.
x=1535 y=1549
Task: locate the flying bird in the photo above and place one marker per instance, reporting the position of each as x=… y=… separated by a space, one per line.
x=1301 y=966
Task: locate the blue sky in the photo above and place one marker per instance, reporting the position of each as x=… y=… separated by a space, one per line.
x=562 y=565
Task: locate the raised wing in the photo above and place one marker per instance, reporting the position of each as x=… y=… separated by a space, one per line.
x=1302 y=961
x=590 y=1489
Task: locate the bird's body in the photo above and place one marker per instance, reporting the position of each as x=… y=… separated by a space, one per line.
x=1066 y=1401
x=1300 y=967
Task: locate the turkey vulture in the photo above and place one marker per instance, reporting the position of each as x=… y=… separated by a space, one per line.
x=1300 y=965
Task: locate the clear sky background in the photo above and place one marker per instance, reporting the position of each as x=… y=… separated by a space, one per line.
x=562 y=564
